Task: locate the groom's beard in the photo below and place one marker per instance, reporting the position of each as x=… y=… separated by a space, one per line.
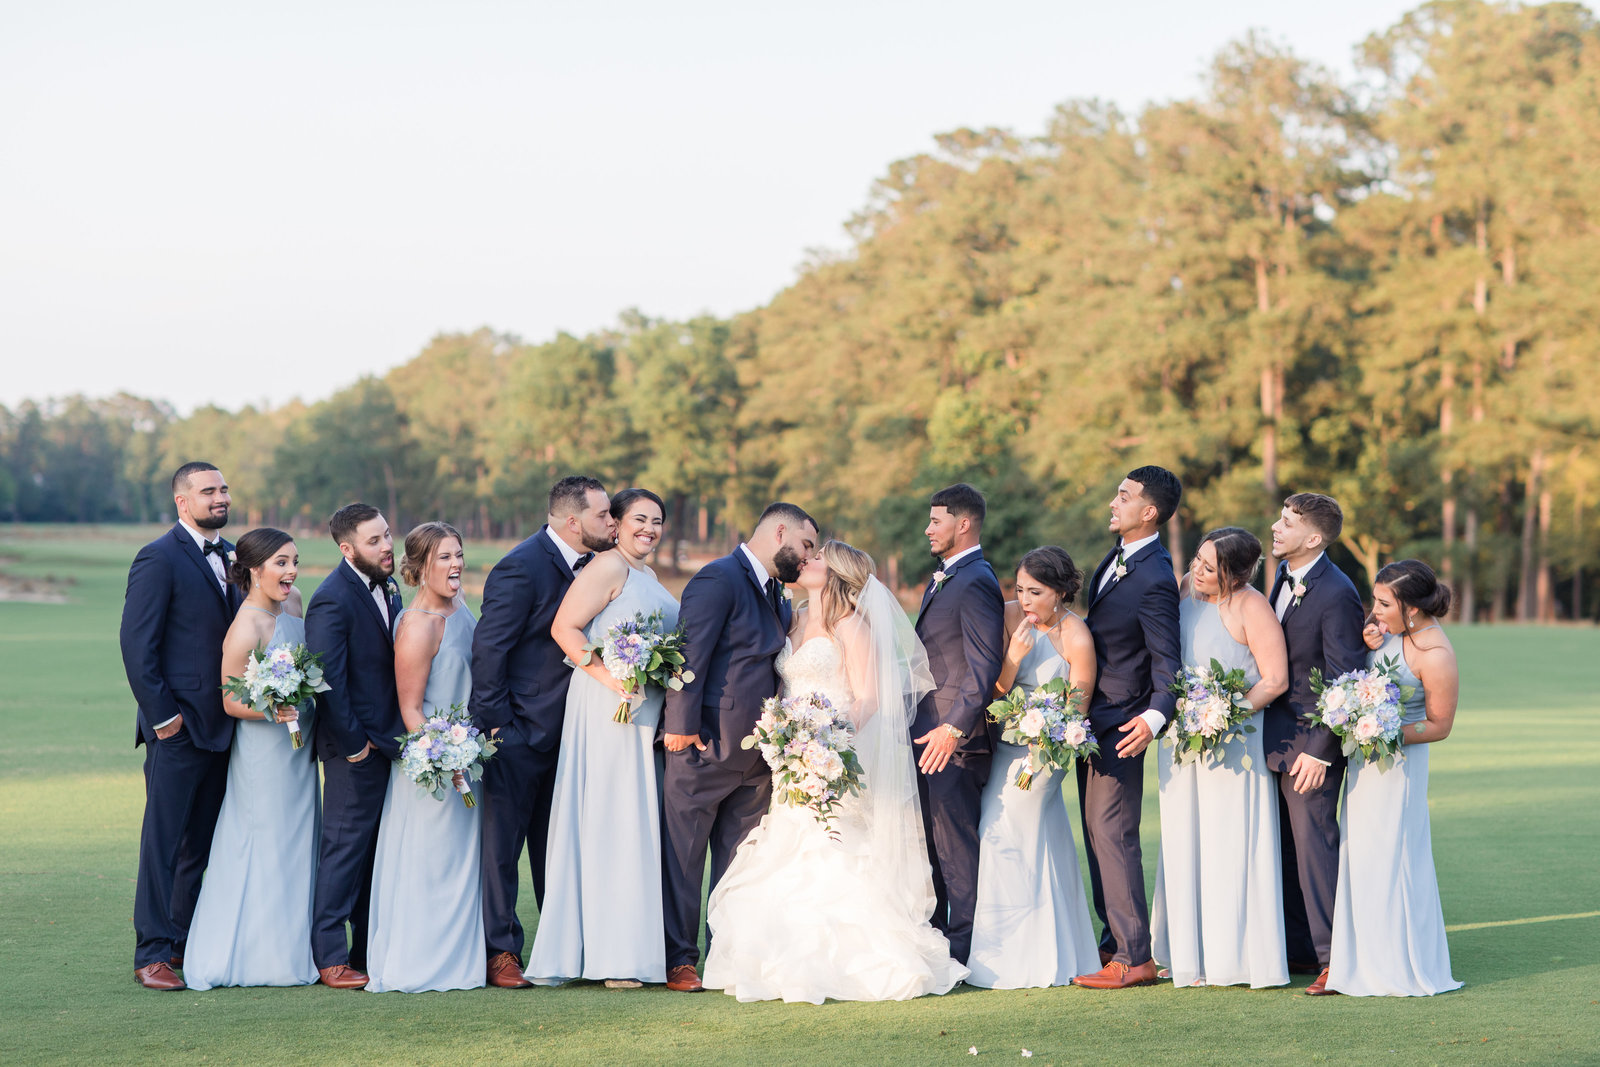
x=596 y=544
x=372 y=570
x=786 y=565
x=211 y=520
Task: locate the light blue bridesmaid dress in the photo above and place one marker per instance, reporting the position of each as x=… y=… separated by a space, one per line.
x=602 y=899
x=426 y=920
x=1217 y=915
x=1031 y=926
x=252 y=923
x=1388 y=924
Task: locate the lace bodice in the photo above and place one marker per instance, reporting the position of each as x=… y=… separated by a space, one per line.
x=816 y=666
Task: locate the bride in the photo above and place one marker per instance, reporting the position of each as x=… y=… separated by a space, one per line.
x=799 y=916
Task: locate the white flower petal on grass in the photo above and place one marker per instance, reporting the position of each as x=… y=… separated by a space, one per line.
x=973 y=1051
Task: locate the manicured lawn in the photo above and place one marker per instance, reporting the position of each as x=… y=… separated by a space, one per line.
x=1516 y=822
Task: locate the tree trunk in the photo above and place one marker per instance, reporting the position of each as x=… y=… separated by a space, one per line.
x=1469 y=568
x=1270 y=391
x=393 y=513
x=703 y=525
x=1175 y=545
x=1498 y=605
x=1577 y=569
x=1447 y=517
x=1527 y=606
x=1545 y=590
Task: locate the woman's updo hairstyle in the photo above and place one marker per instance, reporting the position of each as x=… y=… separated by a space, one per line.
x=1238 y=553
x=1414 y=585
x=254 y=549
x=420 y=545
x=848 y=571
x=625 y=498
x=1052 y=568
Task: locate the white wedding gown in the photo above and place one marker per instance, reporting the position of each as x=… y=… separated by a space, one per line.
x=800 y=917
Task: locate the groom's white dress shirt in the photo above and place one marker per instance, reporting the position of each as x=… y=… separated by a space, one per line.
x=950 y=561
x=568 y=553
x=761 y=572
x=380 y=596
x=1286 y=594
x=1152 y=718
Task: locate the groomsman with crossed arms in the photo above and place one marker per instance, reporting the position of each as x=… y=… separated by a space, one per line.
x=1133 y=616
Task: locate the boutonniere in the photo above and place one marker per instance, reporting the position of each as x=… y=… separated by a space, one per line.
x=1122 y=571
x=1299 y=591
x=391 y=586
x=939 y=578
x=787 y=594
x=232 y=556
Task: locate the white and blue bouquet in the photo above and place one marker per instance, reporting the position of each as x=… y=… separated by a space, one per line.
x=640 y=652
x=1212 y=710
x=277 y=677
x=1049 y=722
x=1362 y=708
x=810 y=747
x=445 y=745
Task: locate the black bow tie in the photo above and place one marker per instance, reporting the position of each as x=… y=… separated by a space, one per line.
x=215 y=546
x=581 y=562
x=378 y=585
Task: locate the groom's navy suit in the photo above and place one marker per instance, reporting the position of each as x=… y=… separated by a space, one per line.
x=713 y=798
x=345 y=627
x=1134 y=622
x=519 y=686
x=1323 y=632
x=962 y=625
x=173 y=621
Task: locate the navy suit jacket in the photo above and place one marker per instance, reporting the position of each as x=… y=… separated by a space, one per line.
x=1134 y=622
x=733 y=639
x=519 y=673
x=345 y=627
x=962 y=625
x=1323 y=631
x=174 y=618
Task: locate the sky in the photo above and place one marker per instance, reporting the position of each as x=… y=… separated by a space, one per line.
x=249 y=202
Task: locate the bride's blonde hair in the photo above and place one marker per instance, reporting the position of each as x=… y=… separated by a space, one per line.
x=848 y=571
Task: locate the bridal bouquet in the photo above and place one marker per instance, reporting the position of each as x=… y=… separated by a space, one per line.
x=277 y=677
x=1212 y=710
x=1362 y=708
x=446 y=743
x=638 y=652
x=807 y=743
x=1049 y=723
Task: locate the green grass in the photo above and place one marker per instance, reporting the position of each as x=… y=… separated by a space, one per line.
x=1516 y=810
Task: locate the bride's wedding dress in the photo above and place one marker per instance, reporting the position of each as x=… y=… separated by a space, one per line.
x=802 y=917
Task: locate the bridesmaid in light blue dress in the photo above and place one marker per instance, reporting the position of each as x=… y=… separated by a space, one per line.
x=1217 y=915
x=1031 y=926
x=1388 y=924
x=425 y=929
x=602 y=917
x=252 y=923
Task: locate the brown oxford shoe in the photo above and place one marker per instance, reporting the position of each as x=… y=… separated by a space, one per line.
x=683 y=979
x=505 y=972
x=1319 y=987
x=1116 y=975
x=158 y=975
x=340 y=976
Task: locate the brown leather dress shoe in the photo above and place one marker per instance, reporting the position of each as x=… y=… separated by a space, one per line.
x=158 y=975
x=683 y=979
x=340 y=976
x=1319 y=987
x=1115 y=975
x=505 y=972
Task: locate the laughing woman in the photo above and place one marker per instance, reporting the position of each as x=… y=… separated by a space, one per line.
x=426 y=925
x=252 y=925
x=602 y=901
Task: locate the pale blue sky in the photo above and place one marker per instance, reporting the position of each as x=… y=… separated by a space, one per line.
x=230 y=202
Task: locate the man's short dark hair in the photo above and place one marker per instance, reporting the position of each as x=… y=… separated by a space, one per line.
x=342 y=526
x=570 y=495
x=962 y=501
x=180 y=477
x=1322 y=512
x=1161 y=488
x=793 y=514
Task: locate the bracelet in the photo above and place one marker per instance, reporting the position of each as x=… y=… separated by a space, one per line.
x=957 y=734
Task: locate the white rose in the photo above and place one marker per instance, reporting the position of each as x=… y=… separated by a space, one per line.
x=1333 y=699
x=1076 y=734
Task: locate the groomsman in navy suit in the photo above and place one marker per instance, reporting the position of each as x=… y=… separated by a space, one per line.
x=350 y=623
x=1321 y=615
x=735 y=617
x=178 y=608
x=1133 y=615
x=962 y=625
x=519 y=691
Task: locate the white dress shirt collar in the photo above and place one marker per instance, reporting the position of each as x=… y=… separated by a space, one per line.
x=568 y=553
x=761 y=572
x=1129 y=550
x=200 y=539
x=950 y=561
x=1295 y=574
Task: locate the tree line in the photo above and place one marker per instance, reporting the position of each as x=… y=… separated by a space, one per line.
x=1387 y=289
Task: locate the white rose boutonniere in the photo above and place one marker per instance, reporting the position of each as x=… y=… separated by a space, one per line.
x=939 y=578
x=788 y=595
x=232 y=557
x=1299 y=591
x=391 y=587
x=1122 y=571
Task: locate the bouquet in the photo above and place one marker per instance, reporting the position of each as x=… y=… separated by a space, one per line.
x=1049 y=723
x=1212 y=710
x=1362 y=708
x=807 y=743
x=637 y=652
x=446 y=743
x=280 y=676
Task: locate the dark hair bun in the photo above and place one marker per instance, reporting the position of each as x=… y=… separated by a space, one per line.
x=1053 y=568
x=254 y=549
x=1414 y=584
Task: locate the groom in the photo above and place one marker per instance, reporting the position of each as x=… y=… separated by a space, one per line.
x=1321 y=616
x=1133 y=616
x=735 y=616
x=178 y=609
x=962 y=625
